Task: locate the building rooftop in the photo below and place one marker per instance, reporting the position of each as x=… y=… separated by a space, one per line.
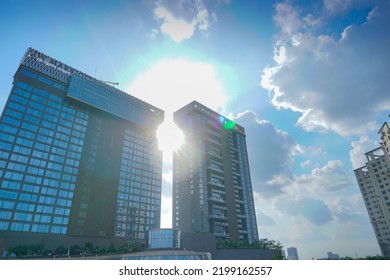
x=91 y=90
x=225 y=122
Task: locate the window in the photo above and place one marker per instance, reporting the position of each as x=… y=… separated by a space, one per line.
x=5 y=215
x=28 y=73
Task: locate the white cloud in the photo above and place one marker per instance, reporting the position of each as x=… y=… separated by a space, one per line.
x=271 y=153
x=337 y=84
x=337 y=6
x=287 y=18
x=313 y=210
x=180 y=19
x=307 y=163
x=359 y=148
x=330 y=177
x=177 y=29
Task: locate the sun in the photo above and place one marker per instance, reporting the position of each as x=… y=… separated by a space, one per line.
x=171 y=84
x=169 y=136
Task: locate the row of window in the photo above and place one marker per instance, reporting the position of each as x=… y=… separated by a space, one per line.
x=41 y=78
x=42 y=228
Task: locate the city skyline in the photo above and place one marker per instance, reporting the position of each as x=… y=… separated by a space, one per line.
x=305 y=78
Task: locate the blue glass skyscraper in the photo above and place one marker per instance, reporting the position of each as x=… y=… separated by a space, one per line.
x=78 y=158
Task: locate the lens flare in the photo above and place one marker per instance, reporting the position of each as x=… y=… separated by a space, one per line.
x=170 y=137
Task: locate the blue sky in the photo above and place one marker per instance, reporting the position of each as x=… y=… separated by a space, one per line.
x=307 y=80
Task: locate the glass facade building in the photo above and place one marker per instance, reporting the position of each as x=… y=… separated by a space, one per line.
x=212 y=189
x=77 y=156
x=164 y=238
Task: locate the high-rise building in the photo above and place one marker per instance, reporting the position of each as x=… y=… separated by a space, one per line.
x=292 y=253
x=212 y=190
x=374 y=184
x=78 y=157
x=333 y=256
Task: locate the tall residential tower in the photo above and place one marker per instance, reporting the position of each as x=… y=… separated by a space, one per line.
x=374 y=184
x=78 y=158
x=212 y=190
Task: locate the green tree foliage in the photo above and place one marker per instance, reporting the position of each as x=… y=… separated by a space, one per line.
x=28 y=250
x=38 y=250
x=264 y=243
x=61 y=250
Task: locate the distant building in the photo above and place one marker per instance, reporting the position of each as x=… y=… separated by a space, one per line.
x=332 y=256
x=284 y=254
x=212 y=189
x=79 y=159
x=374 y=184
x=292 y=253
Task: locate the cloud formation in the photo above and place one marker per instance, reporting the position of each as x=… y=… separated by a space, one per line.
x=270 y=152
x=181 y=18
x=313 y=210
x=336 y=83
x=331 y=177
x=359 y=148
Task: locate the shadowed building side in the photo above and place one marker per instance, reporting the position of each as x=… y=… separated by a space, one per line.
x=212 y=191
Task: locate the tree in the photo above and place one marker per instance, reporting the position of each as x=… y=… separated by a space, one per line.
x=112 y=248
x=260 y=244
x=89 y=247
x=61 y=250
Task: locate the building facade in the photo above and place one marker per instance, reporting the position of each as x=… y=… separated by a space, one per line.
x=374 y=184
x=292 y=253
x=333 y=256
x=212 y=191
x=78 y=157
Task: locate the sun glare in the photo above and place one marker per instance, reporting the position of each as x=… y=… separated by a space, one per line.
x=172 y=84
x=170 y=137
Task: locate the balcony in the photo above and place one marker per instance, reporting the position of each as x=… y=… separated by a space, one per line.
x=219 y=217
x=217 y=199
x=214 y=168
x=220 y=234
x=216 y=184
x=214 y=154
x=218 y=143
x=213 y=132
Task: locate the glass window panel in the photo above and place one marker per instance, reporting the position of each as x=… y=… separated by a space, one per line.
x=4 y=225
x=5 y=215
x=29 y=73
